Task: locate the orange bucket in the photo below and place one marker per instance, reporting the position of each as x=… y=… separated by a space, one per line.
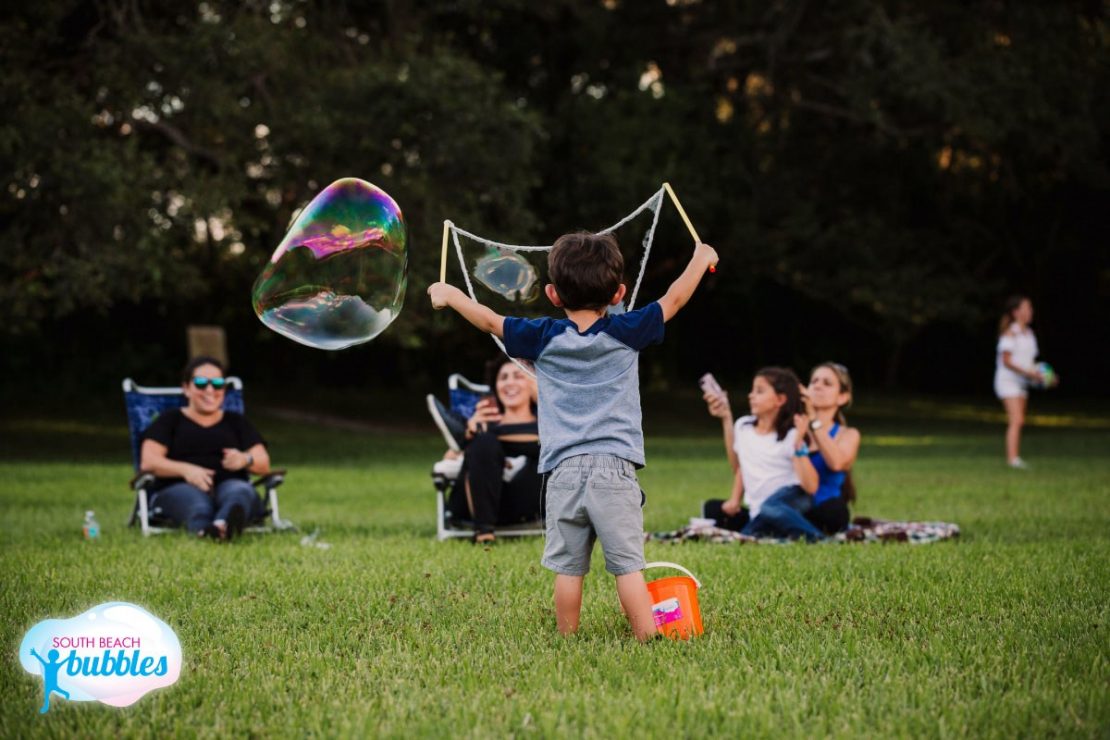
x=674 y=603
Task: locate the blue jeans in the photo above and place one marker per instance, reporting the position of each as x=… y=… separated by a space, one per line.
x=185 y=504
x=783 y=515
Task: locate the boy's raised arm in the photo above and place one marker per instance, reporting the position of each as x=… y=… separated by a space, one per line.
x=683 y=288
x=483 y=317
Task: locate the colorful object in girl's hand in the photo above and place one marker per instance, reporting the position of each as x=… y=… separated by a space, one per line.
x=1049 y=379
x=338 y=277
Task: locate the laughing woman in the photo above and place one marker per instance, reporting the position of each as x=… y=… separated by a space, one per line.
x=501 y=484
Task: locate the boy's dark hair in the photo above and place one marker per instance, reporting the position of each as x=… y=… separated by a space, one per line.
x=193 y=364
x=586 y=269
x=785 y=383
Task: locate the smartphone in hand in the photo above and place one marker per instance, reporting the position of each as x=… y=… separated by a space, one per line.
x=709 y=384
x=489 y=402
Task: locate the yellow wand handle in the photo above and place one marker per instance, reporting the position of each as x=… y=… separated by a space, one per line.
x=443 y=253
x=681 y=212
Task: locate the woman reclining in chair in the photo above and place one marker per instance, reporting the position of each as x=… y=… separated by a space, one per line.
x=498 y=483
x=202 y=457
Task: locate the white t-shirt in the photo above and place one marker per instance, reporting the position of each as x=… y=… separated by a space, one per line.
x=766 y=462
x=1022 y=346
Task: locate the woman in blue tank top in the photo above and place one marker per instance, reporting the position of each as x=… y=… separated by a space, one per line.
x=831 y=447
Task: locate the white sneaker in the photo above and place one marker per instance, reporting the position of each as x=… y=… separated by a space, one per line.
x=1018 y=464
x=513 y=465
x=448 y=468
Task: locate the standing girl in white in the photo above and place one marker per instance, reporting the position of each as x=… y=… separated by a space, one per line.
x=1015 y=369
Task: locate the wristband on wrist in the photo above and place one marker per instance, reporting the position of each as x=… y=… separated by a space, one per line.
x=815 y=424
x=802 y=451
x=250 y=459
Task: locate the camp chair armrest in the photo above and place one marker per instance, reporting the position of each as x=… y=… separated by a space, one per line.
x=142 y=479
x=273 y=479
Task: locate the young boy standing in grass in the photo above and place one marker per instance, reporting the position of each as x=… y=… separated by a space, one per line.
x=591 y=441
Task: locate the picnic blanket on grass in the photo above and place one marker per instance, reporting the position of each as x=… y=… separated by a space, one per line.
x=863 y=529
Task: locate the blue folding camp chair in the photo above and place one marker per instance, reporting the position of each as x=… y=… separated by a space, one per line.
x=143 y=405
x=451 y=421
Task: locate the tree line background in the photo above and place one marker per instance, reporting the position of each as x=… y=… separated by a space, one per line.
x=876 y=176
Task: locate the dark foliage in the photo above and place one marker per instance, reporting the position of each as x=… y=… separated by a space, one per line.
x=875 y=175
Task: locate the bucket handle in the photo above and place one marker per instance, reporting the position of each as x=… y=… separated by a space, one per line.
x=665 y=564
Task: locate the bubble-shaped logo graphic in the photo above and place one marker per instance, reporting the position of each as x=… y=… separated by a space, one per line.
x=338 y=277
x=114 y=653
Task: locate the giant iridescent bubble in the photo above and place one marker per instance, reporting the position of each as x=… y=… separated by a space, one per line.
x=338 y=277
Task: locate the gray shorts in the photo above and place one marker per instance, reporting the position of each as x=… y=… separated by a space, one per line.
x=592 y=497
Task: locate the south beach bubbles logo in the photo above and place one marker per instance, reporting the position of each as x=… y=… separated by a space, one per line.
x=113 y=653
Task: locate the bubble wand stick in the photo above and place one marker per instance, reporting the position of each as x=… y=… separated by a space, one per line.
x=443 y=255
x=682 y=212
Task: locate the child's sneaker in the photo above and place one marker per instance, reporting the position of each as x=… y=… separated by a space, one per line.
x=1018 y=464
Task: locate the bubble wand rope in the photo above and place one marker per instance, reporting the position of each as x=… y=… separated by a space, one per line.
x=685 y=218
x=443 y=254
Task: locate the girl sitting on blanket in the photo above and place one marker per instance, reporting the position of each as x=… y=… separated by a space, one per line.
x=780 y=478
x=764 y=448
x=833 y=446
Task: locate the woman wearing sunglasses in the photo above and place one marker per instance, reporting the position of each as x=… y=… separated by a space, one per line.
x=203 y=457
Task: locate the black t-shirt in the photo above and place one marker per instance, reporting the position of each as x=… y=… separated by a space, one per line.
x=187 y=441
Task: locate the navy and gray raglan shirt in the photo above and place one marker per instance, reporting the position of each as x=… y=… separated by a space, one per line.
x=589 y=382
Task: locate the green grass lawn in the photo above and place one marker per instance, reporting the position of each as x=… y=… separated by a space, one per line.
x=1003 y=632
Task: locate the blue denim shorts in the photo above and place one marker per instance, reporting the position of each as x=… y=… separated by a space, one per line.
x=594 y=497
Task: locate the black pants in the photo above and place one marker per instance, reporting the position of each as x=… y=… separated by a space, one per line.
x=495 y=501
x=831 y=516
x=711 y=509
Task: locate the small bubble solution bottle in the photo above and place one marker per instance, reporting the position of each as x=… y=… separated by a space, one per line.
x=92 y=527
